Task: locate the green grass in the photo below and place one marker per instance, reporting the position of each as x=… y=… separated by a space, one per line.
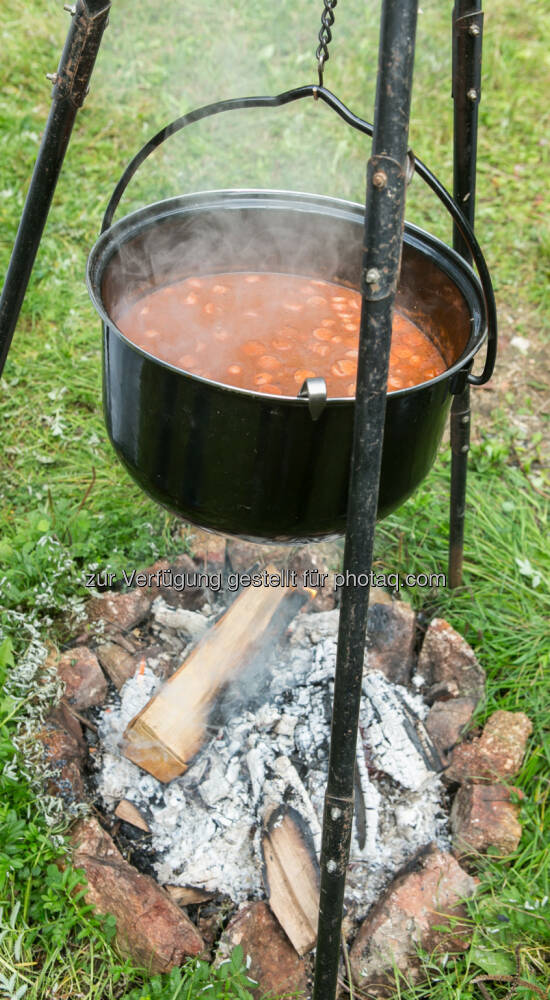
x=503 y=611
x=65 y=503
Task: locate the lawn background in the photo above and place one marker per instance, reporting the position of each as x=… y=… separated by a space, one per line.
x=67 y=506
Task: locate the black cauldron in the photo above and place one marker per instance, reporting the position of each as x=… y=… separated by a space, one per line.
x=237 y=461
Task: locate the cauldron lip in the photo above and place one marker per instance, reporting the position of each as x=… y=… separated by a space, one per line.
x=107 y=244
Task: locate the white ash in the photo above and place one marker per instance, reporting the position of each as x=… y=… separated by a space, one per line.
x=192 y=624
x=206 y=825
x=391 y=748
x=132 y=697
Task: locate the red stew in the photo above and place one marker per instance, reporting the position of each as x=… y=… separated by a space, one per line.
x=269 y=332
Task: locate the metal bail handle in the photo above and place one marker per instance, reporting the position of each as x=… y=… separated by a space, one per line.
x=310 y=90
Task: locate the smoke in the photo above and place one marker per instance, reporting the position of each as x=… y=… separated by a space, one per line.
x=215 y=234
x=157 y=62
x=160 y=63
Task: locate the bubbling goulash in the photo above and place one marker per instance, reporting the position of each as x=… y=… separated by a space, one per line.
x=269 y=332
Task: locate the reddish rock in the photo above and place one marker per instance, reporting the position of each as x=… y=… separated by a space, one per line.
x=504 y=740
x=406 y=918
x=446 y=658
x=176 y=581
x=117 y=663
x=484 y=816
x=65 y=752
x=273 y=963
x=497 y=753
x=89 y=838
x=442 y=692
x=377 y=595
x=85 y=684
x=150 y=927
x=446 y=722
x=390 y=640
x=207 y=548
x=242 y=555
x=124 y=611
x=61 y=717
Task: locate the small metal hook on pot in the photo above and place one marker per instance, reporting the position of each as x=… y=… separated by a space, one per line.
x=315 y=391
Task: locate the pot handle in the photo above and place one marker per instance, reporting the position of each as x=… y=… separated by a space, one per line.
x=320 y=93
x=314 y=389
x=467 y=233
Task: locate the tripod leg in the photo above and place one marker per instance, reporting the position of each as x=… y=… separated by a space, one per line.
x=467 y=43
x=460 y=446
x=383 y=235
x=70 y=86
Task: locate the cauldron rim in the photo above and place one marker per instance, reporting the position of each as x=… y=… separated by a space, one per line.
x=138 y=221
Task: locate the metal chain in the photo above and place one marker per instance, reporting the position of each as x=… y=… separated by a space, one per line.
x=325 y=36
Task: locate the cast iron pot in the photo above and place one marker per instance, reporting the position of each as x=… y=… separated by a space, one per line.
x=237 y=461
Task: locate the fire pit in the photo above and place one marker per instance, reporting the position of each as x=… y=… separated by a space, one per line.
x=267 y=746
x=235 y=837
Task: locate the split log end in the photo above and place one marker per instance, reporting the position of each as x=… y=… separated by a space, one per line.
x=148 y=752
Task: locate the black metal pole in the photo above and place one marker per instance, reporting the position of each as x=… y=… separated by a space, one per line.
x=467 y=45
x=70 y=86
x=385 y=210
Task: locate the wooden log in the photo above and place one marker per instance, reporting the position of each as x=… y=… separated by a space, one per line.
x=291 y=876
x=186 y=895
x=165 y=736
x=127 y=812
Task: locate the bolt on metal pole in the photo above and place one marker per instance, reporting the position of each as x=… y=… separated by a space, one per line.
x=89 y=19
x=467 y=45
x=383 y=237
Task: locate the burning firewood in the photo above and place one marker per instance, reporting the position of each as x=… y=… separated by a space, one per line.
x=291 y=876
x=165 y=736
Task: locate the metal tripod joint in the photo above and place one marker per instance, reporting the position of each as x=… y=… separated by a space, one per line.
x=338 y=824
x=467 y=45
x=78 y=57
x=386 y=182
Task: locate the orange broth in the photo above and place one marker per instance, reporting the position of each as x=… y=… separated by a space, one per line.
x=269 y=332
